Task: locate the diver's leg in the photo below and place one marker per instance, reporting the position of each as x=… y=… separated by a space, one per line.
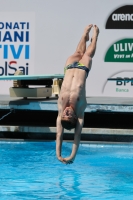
x=81 y=48
x=90 y=51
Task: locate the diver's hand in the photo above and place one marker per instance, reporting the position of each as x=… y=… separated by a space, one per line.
x=61 y=159
x=68 y=160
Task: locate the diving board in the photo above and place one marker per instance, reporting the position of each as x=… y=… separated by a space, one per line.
x=32 y=77
x=50 y=85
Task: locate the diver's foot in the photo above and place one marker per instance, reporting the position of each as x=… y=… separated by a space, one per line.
x=95 y=32
x=86 y=32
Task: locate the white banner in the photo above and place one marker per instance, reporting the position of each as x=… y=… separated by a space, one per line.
x=55 y=34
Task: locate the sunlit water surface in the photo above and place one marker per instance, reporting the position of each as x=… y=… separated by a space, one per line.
x=30 y=170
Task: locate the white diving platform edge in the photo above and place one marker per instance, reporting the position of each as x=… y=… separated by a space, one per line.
x=32 y=77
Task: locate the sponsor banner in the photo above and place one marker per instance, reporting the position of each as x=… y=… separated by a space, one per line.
x=16 y=45
x=114 y=49
x=119 y=84
x=120 y=51
x=121 y=18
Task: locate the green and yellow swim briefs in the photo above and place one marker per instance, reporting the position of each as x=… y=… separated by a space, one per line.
x=77 y=65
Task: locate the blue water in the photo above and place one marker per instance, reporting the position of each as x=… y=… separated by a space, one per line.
x=30 y=170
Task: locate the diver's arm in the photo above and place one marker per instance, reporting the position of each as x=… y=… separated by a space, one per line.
x=77 y=137
x=59 y=138
x=76 y=142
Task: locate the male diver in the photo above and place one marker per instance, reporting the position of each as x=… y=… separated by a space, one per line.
x=72 y=97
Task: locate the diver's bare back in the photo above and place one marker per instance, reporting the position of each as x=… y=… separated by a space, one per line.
x=73 y=91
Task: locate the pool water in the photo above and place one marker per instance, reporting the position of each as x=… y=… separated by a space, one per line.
x=30 y=170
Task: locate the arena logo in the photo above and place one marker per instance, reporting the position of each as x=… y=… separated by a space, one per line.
x=11 y=68
x=120 y=51
x=121 y=18
x=120 y=82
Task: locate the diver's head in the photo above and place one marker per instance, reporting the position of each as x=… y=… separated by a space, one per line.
x=68 y=118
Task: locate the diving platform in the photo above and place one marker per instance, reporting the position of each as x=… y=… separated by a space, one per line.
x=106 y=119
x=40 y=93
x=27 y=114
x=34 y=85
x=94 y=104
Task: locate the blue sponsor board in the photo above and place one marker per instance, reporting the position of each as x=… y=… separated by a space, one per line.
x=14 y=46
